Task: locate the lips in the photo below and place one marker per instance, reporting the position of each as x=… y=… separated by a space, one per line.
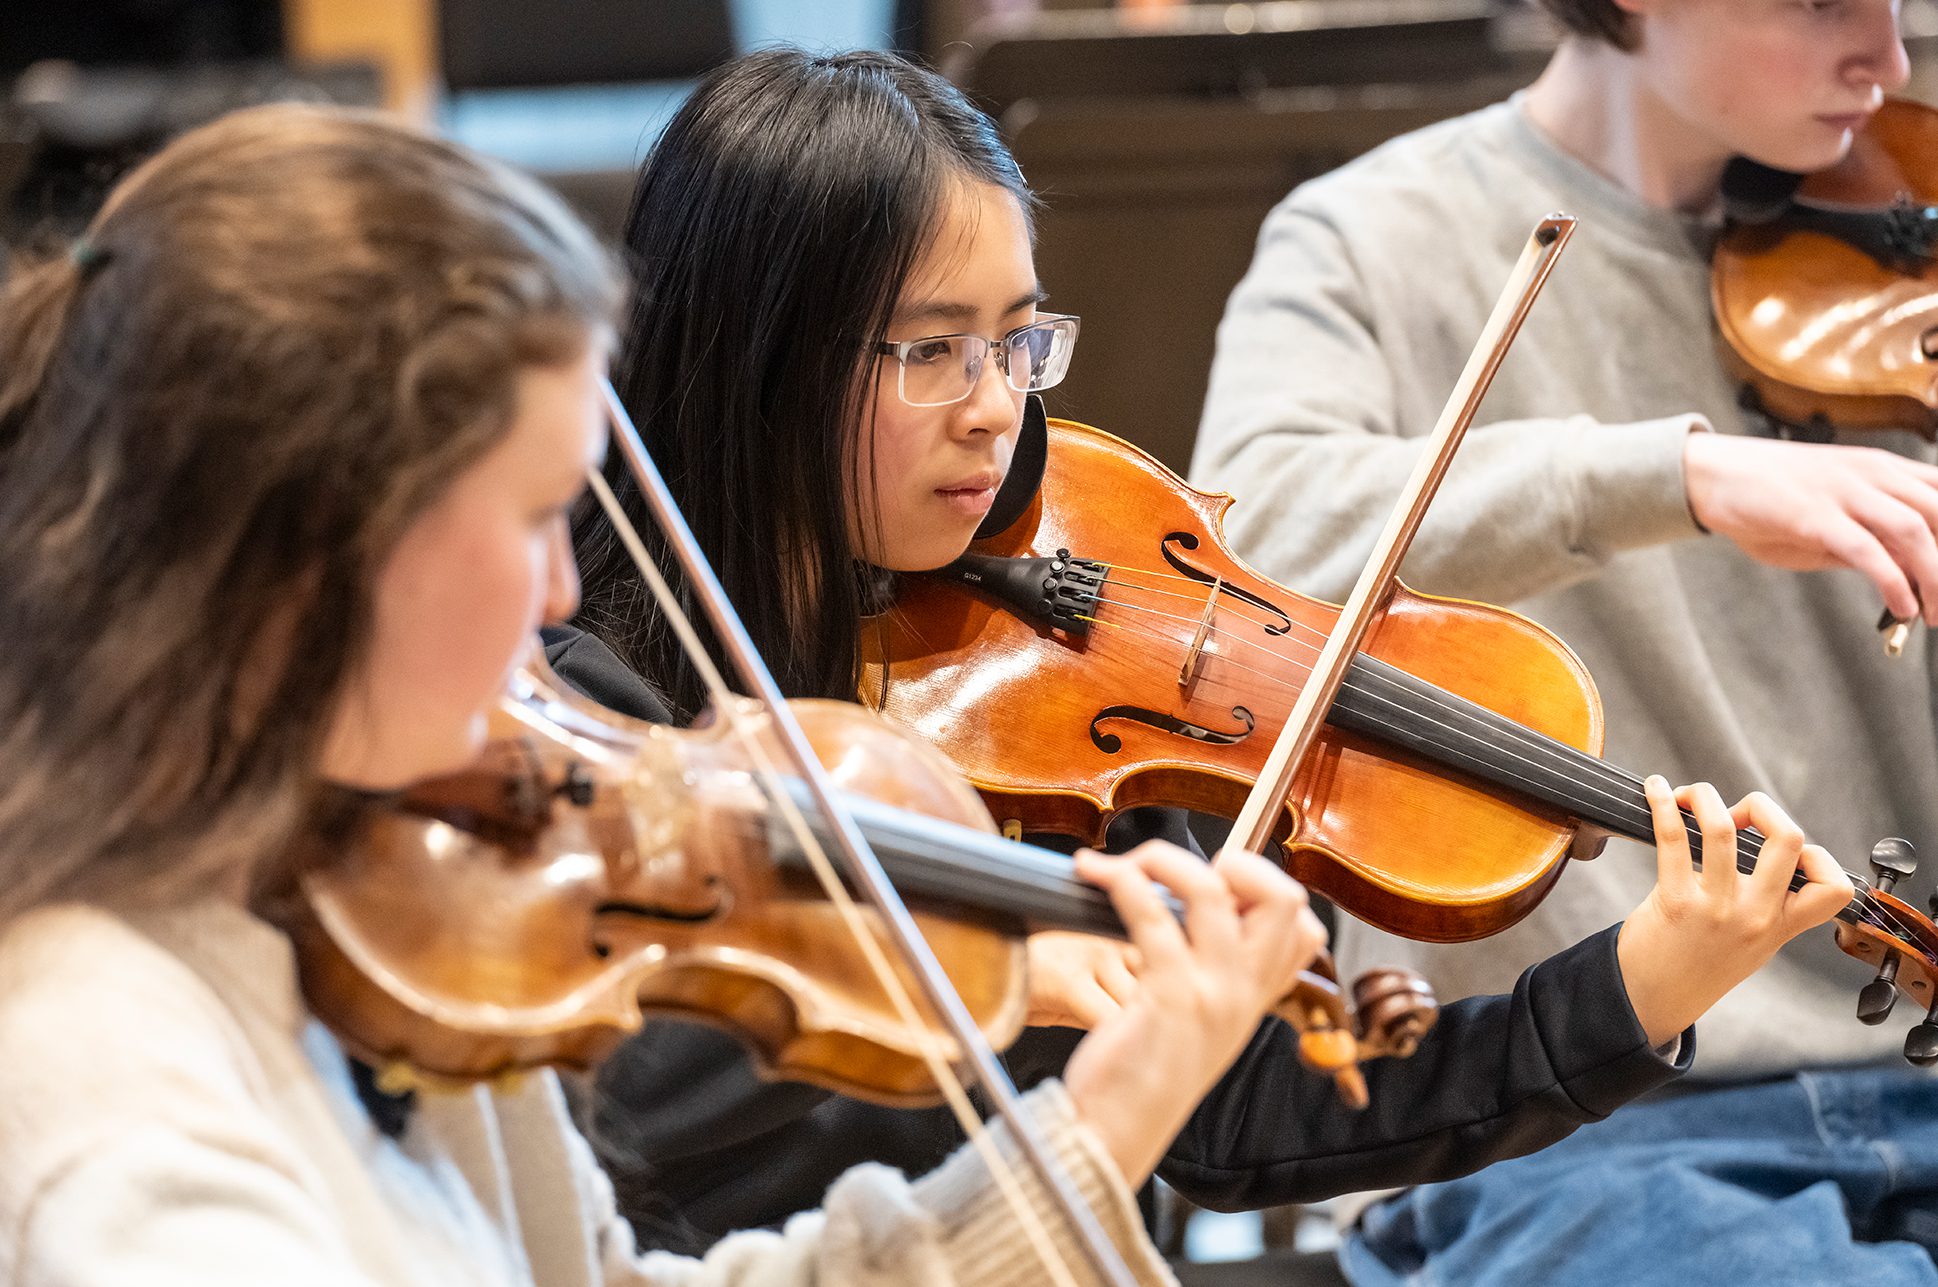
x=981 y=480
x=1845 y=120
x=972 y=495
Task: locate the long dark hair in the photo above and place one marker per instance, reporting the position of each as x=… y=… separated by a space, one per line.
x=770 y=234
x=280 y=340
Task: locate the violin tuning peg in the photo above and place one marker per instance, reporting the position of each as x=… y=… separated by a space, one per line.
x=1392 y=1011
x=1921 y=1043
x=1351 y=1083
x=1875 y=1000
x=1892 y=859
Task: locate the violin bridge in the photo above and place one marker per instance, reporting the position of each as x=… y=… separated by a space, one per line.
x=1194 y=658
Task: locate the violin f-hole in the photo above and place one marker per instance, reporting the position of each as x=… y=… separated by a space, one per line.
x=1110 y=743
x=1186 y=540
x=718 y=899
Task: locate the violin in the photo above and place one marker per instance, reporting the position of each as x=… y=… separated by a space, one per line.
x=1107 y=650
x=1824 y=288
x=590 y=868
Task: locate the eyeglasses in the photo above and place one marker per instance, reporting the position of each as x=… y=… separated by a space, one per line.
x=938 y=370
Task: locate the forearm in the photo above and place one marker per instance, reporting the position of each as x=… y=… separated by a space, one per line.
x=1498 y=1077
x=1526 y=508
x=1314 y=420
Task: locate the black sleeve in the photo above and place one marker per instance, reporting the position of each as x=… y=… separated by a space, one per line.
x=1498 y=1077
x=584 y=662
x=698 y=1144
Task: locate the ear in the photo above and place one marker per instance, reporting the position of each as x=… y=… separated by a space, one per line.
x=1026 y=468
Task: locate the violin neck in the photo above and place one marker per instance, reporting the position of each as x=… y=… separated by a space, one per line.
x=1381 y=701
x=966 y=874
x=1013 y=887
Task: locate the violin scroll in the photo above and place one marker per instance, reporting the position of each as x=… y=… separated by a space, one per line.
x=1395 y=1009
x=1883 y=930
x=1390 y=1011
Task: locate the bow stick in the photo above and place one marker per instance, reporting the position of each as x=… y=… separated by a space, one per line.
x=1375 y=586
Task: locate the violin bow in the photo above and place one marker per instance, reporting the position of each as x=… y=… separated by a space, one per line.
x=878 y=891
x=1375 y=586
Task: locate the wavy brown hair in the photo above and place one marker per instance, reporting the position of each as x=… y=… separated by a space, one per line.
x=279 y=340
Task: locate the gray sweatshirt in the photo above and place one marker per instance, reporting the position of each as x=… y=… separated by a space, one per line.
x=1567 y=501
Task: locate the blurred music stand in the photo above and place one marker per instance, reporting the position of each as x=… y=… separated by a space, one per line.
x=1160 y=147
x=87 y=90
x=505 y=44
x=1214 y=51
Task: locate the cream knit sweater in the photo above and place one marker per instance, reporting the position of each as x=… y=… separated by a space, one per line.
x=170 y=1115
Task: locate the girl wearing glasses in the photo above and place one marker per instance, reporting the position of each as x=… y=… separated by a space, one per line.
x=835 y=322
x=286 y=451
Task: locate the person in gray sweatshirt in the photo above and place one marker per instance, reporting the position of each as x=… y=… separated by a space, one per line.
x=1721 y=581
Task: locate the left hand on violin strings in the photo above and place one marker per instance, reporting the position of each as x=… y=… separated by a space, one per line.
x=1704 y=929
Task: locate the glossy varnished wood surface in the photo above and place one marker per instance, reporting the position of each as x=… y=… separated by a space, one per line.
x=1396 y=841
x=1818 y=327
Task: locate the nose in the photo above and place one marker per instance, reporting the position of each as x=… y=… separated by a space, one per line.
x=1881 y=59
x=992 y=405
x=561 y=576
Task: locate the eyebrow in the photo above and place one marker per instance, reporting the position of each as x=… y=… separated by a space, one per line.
x=963 y=314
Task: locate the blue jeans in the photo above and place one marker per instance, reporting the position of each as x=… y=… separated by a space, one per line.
x=1824 y=1177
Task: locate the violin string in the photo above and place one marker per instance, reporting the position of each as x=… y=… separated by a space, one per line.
x=1612 y=776
x=1623 y=801
x=1862 y=898
x=1365 y=689
x=1638 y=815
x=1252 y=614
x=900 y=999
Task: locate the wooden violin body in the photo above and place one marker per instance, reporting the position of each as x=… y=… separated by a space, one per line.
x=1829 y=311
x=528 y=912
x=1062 y=730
